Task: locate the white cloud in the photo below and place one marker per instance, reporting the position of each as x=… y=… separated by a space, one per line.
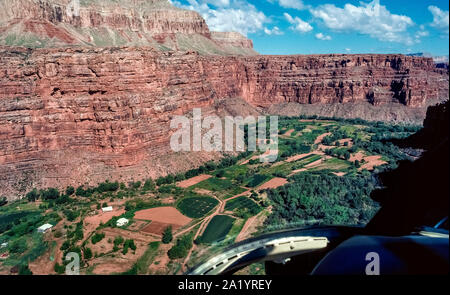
x=228 y=15
x=421 y=33
x=440 y=18
x=295 y=4
x=273 y=31
x=219 y=3
x=370 y=19
x=323 y=37
x=298 y=24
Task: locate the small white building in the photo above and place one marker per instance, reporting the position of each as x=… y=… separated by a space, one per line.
x=44 y=228
x=4 y=245
x=107 y=209
x=122 y=222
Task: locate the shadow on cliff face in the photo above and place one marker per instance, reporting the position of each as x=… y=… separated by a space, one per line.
x=417 y=193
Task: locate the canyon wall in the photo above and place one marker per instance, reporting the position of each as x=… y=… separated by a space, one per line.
x=83 y=115
x=154 y=23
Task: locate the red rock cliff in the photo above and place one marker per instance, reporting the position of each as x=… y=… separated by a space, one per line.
x=154 y=23
x=76 y=115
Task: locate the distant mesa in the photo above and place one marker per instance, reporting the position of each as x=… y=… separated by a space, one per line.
x=103 y=23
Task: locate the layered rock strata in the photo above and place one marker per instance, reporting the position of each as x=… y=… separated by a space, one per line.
x=74 y=115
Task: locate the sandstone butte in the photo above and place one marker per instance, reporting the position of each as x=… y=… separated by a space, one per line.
x=73 y=112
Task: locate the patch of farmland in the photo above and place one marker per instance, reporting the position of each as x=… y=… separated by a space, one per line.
x=197 y=207
x=217 y=229
x=193 y=181
x=257 y=179
x=243 y=203
x=274 y=183
x=215 y=184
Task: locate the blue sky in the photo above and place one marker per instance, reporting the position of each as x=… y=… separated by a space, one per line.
x=326 y=26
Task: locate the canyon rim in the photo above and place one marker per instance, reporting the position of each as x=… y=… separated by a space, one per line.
x=90 y=97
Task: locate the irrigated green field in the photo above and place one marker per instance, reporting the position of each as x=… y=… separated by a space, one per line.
x=217 y=229
x=325 y=173
x=243 y=203
x=223 y=188
x=196 y=207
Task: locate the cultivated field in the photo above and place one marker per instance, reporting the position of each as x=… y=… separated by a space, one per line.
x=197 y=207
x=323 y=173
x=217 y=229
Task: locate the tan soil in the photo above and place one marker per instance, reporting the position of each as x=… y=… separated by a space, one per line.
x=168 y=215
x=273 y=183
x=137 y=225
x=371 y=162
x=92 y=222
x=321 y=137
x=120 y=263
x=193 y=181
x=297 y=157
x=251 y=226
x=314 y=164
x=340 y=174
x=168 y=201
x=289 y=132
x=358 y=156
x=157 y=228
x=162 y=258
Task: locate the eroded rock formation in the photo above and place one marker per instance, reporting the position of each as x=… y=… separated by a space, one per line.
x=76 y=115
x=154 y=23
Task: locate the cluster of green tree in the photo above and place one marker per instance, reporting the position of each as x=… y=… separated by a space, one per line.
x=323 y=197
x=18 y=246
x=128 y=244
x=24 y=270
x=293 y=148
x=97 y=237
x=167 y=235
x=170 y=189
x=335 y=136
x=341 y=153
x=9 y=220
x=357 y=121
x=118 y=241
x=28 y=224
x=206 y=168
x=181 y=247
x=52 y=195
x=245 y=213
x=71 y=215
x=149 y=185
x=107 y=187
x=387 y=149
x=72 y=238
x=139 y=204
x=87 y=253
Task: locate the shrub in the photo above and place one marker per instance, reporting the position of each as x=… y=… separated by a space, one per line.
x=87 y=253
x=182 y=247
x=128 y=244
x=59 y=269
x=70 y=190
x=18 y=246
x=50 y=194
x=97 y=237
x=149 y=185
x=167 y=235
x=32 y=196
